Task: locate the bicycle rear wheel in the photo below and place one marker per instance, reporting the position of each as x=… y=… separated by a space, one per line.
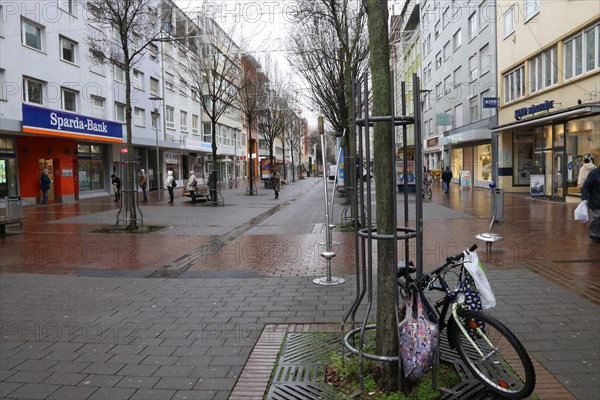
x=505 y=367
x=428 y=192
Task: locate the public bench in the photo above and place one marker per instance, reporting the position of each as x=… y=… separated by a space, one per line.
x=201 y=192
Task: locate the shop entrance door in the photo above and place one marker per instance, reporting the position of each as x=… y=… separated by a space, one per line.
x=558 y=182
x=48 y=164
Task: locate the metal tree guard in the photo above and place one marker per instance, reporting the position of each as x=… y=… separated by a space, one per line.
x=368 y=232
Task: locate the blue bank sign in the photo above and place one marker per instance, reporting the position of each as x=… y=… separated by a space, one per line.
x=490 y=102
x=545 y=106
x=50 y=122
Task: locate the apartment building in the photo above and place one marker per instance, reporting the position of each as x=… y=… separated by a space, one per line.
x=549 y=116
x=64 y=110
x=459 y=87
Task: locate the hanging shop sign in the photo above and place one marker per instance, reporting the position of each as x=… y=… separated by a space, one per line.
x=545 y=106
x=171 y=158
x=45 y=121
x=443 y=119
x=490 y=102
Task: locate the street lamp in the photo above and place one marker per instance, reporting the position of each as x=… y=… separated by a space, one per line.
x=155 y=102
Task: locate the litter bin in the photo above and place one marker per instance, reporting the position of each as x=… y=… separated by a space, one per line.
x=498 y=204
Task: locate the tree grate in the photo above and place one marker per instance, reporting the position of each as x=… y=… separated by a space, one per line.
x=300 y=371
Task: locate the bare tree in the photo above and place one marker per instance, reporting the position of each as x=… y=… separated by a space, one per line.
x=121 y=32
x=293 y=136
x=387 y=329
x=214 y=76
x=329 y=49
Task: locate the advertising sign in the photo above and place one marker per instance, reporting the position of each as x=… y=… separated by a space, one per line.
x=490 y=102
x=50 y=122
x=465 y=178
x=265 y=168
x=536 y=185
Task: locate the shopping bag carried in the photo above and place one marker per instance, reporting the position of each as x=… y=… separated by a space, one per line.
x=475 y=269
x=581 y=212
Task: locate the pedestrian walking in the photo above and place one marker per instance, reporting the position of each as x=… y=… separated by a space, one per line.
x=590 y=191
x=143 y=182
x=116 y=182
x=275 y=183
x=45 y=182
x=446 y=179
x=171 y=185
x=191 y=184
x=586 y=168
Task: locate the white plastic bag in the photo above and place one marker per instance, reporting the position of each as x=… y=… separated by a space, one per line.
x=581 y=212
x=473 y=265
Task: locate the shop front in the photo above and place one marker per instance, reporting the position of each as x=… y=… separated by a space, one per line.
x=8 y=167
x=70 y=147
x=469 y=155
x=543 y=155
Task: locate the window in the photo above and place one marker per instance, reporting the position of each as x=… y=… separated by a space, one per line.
x=31 y=34
x=473 y=73
x=96 y=62
x=2 y=83
x=427 y=44
x=509 y=21
x=69 y=99
x=531 y=8
x=170 y=117
x=514 y=84
x=425 y=78
x=457 y=39
x=207 y=136
x=138 y=79
x=169 y=81
x=98 y=107
x=473 y=109
x=183 y=121
x=473 y=25
x=119 y=73
x=458 y=116
x=456 y=77
x=447 y=84
x=153 y=51
x=120 y=112
x=543 y=70
x=154 y=120
x=139 y=117
x=68 y=50
x=582 y=56
x=154 y=86
x=195 y=124
x=182 y=88
x=33 y=92
x=484 y=59
x=446 y=17
x=426 y=101
x=437 y=29
x=447 y=51
x=438 y=90
x=438 y=60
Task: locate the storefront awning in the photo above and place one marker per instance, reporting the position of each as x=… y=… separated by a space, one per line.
x=561 y=115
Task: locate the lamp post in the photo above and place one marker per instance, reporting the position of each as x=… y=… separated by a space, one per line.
x=155 y=102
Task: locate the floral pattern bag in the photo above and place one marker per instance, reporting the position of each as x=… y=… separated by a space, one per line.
x=418 y=339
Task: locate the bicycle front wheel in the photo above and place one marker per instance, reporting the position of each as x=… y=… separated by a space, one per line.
x=494 y=355
x=428 y=192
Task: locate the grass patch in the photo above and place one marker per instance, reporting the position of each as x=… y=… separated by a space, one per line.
x=343 y=374
x=344 y=228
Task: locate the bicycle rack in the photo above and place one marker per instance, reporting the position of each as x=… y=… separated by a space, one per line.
x=488 y=237
x=368 y=233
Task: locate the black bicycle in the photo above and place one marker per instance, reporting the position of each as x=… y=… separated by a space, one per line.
x=488 y=348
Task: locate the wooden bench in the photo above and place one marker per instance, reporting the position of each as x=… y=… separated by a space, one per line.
x=201 y=192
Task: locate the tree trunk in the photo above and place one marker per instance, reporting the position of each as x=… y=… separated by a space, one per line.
x=214 y=173
x=127 y=195
x=387 y=332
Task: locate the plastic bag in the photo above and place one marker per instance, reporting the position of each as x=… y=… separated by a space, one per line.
x=418 y=340
x=581 y=212
x=475 y=269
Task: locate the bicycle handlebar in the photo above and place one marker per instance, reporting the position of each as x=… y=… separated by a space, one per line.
x=460 y=255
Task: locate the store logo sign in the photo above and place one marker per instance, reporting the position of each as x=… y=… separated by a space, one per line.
x=521 y=112
x=49 y=122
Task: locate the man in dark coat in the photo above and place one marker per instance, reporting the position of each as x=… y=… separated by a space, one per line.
x=45 y=182
x=590 y=191
x=446 y=179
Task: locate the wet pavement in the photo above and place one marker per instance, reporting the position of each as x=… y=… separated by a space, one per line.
x=250 y=263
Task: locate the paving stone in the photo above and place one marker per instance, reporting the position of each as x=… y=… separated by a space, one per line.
x=69 y=366
x=173 y=371
x=34 y=391
x=72 y=393
x=176 y=383
x=210 y=372
x=28 y=376
x=62 y=378
x=150 y=394
x=214 y=383
x=105 y=393
x=138 y=382
x=103 y=368
x=194 y=395
x=8 y=387
x=137 y=370
x=98 y=380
